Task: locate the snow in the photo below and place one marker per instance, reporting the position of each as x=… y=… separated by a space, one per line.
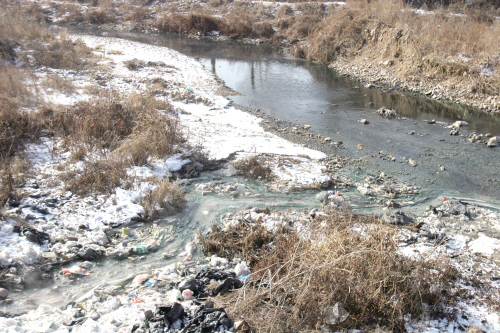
x=484 y=245
x=221 y=130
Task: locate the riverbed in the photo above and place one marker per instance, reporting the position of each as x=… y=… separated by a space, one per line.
x=305 y=93
x=302 y=94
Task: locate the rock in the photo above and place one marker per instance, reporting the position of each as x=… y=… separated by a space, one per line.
x=322 y=196
x=493 y=142
x=91 y=252
x=140 y=279
x=307 y=126
x=335 y=314
x=328 y=139
x=230 y=171
x=454 y=131
x=360 y=146
x=364 y=121
x=433 y=121
x=458 y=124
x=387 y=113
x=86 y=265
x=413 y=163
x=397 y=218
x=411 y=132
x=4 y=293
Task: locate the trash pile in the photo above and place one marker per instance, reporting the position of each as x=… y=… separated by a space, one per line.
x=170 y=299
x=220 y=188
x=386 y=186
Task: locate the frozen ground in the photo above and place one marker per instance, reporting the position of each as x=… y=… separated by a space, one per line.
x=218 y=128
x=221 y=130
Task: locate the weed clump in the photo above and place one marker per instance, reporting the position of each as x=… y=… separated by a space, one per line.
x=188 y=23
x=254 y=167
x=167 y=197
x=348 y=260
x=100 y=176
x=238 y=240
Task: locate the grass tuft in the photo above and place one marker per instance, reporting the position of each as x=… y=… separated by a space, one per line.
x=100 y=176
x=348 y=259
x=166 y=198
x=254 y=167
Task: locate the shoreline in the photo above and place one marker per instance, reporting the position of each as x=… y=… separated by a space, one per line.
x=223 y=130
x=372 y=75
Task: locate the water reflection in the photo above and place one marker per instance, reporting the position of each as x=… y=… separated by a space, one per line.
x=296 y=90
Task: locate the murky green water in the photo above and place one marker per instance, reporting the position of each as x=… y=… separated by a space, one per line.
x=296 y=90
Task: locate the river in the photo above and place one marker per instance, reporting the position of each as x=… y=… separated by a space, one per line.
x=296 y=90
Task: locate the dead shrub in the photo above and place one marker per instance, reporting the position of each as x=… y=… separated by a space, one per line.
x=156 y=136
x=188 y=23
x=240 y=241
x=348 y=259
x=99 y=16
x=254 y=167
x=101 y=176
x=239 y=23
x=167 y=197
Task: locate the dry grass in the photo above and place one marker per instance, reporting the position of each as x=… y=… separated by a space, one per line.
x=155 y=137
x=101 y=176
x=240 y=23
x=421 y=45
x=56 y=82
x=106 y=121
x=188 y=23
x=297 y=279
x=254 y=167
x=241 y=241
x=166 y=198
x=99 y=16
x=16 y=128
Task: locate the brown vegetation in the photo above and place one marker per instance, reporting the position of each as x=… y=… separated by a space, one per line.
x=166 y=198
x=254 y=167
x=100 y=176
x=348 y=259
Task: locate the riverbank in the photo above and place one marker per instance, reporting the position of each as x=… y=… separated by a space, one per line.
x=209 y=121
x=53 y=231
x=383 y=44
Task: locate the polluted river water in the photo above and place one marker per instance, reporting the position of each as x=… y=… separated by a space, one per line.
x=304 y=93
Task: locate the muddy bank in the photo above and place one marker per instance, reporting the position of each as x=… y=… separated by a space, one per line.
x=383 y=76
